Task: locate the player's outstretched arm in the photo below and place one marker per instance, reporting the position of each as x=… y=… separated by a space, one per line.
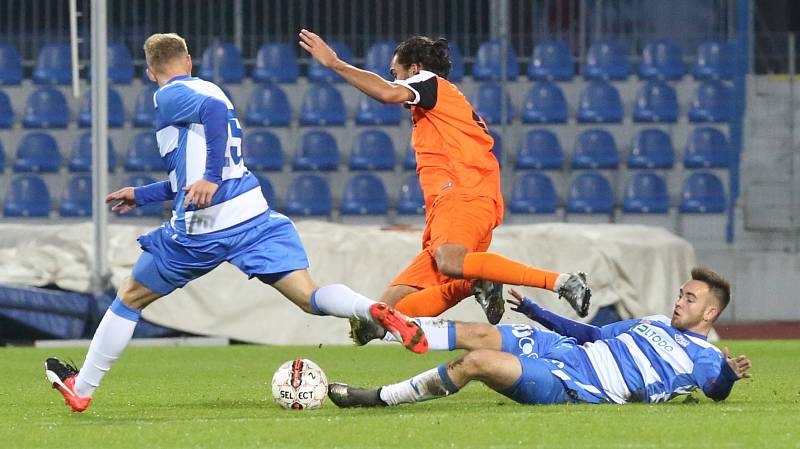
x=731 y=370
x=553 y=321
x=368 y=82
x=128 y=198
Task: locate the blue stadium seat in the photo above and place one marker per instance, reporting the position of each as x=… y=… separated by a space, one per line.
x=268 y=106
x=656 y=102
x=144 y=112
x=703 y=193
x=81 y=158
x=488 y=62
x=120 y=64
x=365 y=195
x=6 y=111
x=229 y=60
x=372 y=150
x=276 y=62
x=456 y=74
x=263 y=151
x=27 y=196
x=372 y=112
x=116 y=110
x=533 y=193
x=707 y=148
x=646 y=193
x=148 y=210
x=378 y=58
x=652 y=148
x=595 y=149
x=545 y=103
x=715 y=60
x=143 y=154
x=2 y=158
x=54 y=65
x=76 y=198
x=268 y=191
x=600 y=103
x=552 y=61
x=590 y=194
x=10 y=65
x=316 y=150
x=308 y=195
x=46 y=108
x=322 y=106
x=662 y=59
x=411 y=201
x=607 y=60
x=37 y=152
x=410 y=160
x=711 y=103
x=318 y=73
x=540 y=150
x=497 y=146
x=487 y=102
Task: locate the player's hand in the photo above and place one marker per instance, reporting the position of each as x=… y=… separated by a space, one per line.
x=739 y=364
x=125 y=200
x=318 y=49
x=520 y=303
x=199 y=193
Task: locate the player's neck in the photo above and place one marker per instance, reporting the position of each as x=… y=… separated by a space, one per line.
x=166 y=76
x=703 y=328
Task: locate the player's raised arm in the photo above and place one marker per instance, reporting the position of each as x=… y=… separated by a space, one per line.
x=368 y=82
x=553 y=321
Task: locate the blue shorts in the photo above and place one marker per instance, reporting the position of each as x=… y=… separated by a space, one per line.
x=266 y=250
x=534 y=348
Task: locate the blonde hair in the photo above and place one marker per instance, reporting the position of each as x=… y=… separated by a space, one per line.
x=163 y=48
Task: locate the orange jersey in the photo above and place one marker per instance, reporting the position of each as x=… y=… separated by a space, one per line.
x=452 y=143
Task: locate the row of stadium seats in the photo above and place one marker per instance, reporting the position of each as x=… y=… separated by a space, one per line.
x=278 y=62
x=323 y=105
x=365 y=194
x=374 y=149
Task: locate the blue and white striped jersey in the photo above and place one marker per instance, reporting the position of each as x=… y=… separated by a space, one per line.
x=642 y=360
x=199 y=137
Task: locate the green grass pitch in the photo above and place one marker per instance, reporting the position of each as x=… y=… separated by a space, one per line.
x=219 y=398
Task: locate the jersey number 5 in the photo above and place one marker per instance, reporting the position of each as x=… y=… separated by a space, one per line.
x=236 y=139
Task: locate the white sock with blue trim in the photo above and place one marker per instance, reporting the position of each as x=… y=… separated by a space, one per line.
x=431 y=384
x=340 y=300
x=441 y=333
x=110 y=339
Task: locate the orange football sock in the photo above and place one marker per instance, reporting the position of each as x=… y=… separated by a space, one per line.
x=497 y=268
x=432 y=301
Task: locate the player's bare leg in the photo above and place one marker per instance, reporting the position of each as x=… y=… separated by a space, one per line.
x=498 y=370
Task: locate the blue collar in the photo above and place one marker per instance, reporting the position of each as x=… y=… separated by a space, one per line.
x=695 y=334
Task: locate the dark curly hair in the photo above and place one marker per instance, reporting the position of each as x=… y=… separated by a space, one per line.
x=432 y=55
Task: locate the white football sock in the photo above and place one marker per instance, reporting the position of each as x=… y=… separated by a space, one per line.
x=431 y=384
x=110 y=339
x=441 y=333
x=340 y=300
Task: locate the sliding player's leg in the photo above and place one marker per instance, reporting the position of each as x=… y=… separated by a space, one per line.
x=500 y=371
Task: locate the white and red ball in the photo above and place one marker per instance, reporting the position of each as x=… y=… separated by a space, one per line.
x=299 y=384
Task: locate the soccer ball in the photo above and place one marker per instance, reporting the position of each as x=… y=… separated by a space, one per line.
x=299 y=384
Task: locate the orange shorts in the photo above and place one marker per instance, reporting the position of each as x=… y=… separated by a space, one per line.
x=454 y=218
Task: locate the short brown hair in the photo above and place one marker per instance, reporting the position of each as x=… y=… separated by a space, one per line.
x=719 y=287
x=161 y=49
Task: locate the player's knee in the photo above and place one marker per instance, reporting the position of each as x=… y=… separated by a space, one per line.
x=450 y=259
x=135 y=295
x=475 y=363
